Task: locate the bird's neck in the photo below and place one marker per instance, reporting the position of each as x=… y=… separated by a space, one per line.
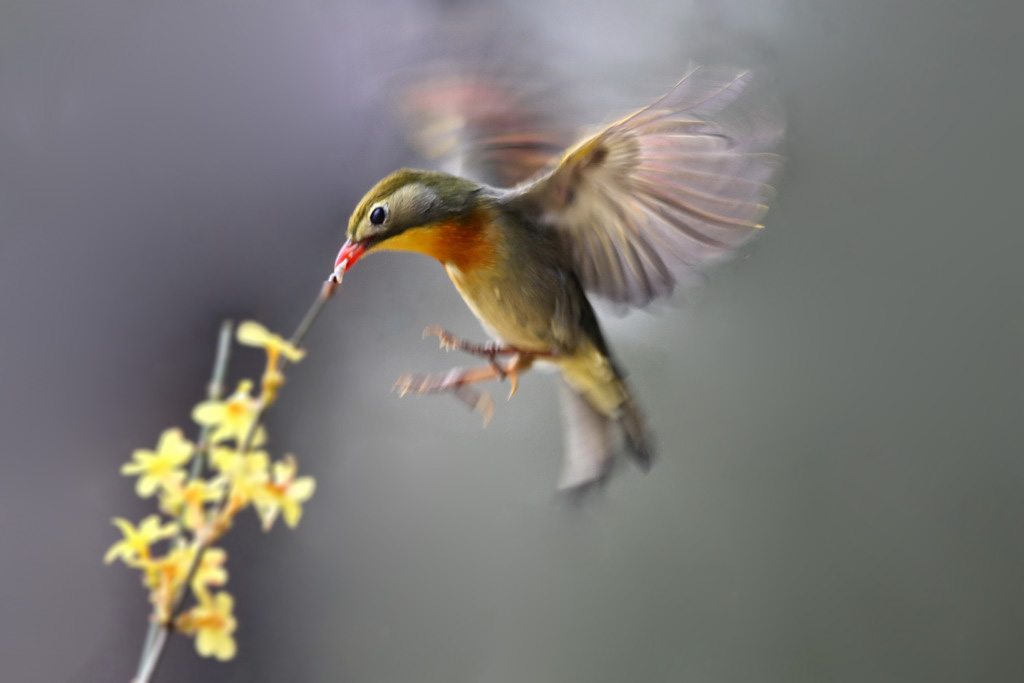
x=469 y=242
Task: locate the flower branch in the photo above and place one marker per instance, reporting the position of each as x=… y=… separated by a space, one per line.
x=228 y=471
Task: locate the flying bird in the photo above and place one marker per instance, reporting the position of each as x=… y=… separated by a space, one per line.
x=624 y=214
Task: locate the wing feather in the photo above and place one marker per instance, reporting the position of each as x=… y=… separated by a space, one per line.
x=482 y=121
x=661 y=193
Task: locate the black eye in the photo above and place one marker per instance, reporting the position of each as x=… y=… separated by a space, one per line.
x=378 y=215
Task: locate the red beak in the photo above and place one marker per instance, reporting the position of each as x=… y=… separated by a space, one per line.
x=349 y=254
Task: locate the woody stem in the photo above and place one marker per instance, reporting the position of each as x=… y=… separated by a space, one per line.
x=214 y=391
x=148 y=665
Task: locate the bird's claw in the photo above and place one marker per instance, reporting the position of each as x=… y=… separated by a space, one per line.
x=403 y=384
x=453 y=381
x=449 y=342
x=483 y=404
x=427 y=384
x=446 y=340
x=458 y=380
x=513 y=378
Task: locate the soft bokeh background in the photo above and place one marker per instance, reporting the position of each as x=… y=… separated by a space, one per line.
x=840 y=413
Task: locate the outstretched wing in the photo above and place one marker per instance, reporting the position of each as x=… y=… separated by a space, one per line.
x=660 y=193
x=497 y=128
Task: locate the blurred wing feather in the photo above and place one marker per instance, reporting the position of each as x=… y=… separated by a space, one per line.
x=655 y=196
x=496 y=129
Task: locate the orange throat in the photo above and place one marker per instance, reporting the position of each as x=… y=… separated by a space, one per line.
x=469 y=243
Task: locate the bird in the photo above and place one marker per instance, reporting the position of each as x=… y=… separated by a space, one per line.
x=624 y=215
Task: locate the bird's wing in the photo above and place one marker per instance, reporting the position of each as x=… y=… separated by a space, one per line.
x=658 y=194
x=495 y=127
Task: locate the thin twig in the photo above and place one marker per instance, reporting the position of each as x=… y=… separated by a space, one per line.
x=326 y=292
x=151 y=656
x=213 y=393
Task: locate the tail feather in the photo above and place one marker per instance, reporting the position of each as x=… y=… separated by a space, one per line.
x=588 y=444
x=638 y=436
x=590 y=441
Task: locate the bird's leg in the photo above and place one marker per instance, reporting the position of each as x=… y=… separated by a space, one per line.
x=457 y=381
x=449 y=342
x=489 y=350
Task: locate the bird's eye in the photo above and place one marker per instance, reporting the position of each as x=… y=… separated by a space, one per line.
x=378 y=215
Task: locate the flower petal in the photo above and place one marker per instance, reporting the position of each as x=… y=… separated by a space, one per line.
x=285 y=469
x=146 y=486
x=209 y=413
x=291 y=511
x=118 y=550
x=126 y=528
x=206 y=642
x=302 y=489
x=225 y=647
x=130 y=469
x=251 y=333
x=224 y=603
x=169 y=440
x=150 y=526
x=291 y=352
x=260 y=437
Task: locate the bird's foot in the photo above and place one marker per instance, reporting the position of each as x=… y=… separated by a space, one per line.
x=480 y=401
x=489 y=350
x=449 y=342
x=458 y=381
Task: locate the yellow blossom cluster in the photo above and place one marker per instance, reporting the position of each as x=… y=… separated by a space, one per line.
x=228 y=472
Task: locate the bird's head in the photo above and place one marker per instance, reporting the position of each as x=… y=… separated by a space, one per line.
x=403 y=212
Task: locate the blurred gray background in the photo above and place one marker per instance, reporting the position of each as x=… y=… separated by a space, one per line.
x=839 y=412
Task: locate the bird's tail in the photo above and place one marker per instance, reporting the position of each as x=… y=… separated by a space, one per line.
x=637 y=434
x=599 y=407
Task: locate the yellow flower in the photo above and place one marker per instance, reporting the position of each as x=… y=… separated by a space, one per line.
x=189 y=500
x=169 y=568
x=134 y=547
x=210 y=572
x=247 y=474
x=213 y=623
x=251 y=333
x=284 y=494
x=163 y=575
x=232 y=418
x=162 y=467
